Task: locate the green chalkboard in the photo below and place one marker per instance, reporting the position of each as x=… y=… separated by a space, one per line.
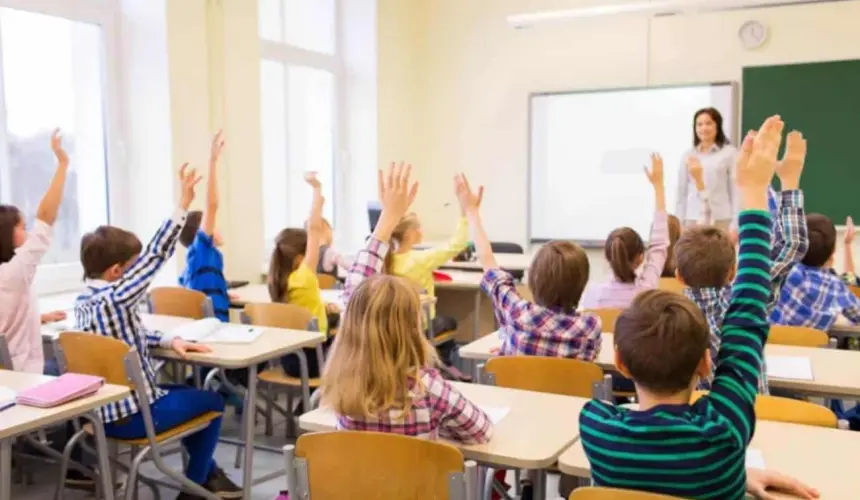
x=822 y=100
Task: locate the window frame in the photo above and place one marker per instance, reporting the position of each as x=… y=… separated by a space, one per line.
x=66 y=277
x=283 y=53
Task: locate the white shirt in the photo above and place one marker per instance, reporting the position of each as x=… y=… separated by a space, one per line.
x=718 y=169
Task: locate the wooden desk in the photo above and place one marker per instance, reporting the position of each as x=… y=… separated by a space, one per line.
x=507 y=261
x=20 y=419
x=836 y=372
x=531 y=436
x=814 y=455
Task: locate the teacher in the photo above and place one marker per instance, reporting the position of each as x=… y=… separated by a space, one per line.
x=713 y=154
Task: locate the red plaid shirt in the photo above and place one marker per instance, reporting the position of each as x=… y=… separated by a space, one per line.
x=438 y=408
x=526 y=328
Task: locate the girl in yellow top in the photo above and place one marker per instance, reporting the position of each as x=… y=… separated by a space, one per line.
x=292 y=276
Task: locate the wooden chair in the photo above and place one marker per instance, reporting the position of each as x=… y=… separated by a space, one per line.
x=568 y=377
x=855 y=290
x=608 y=316
x=599 y=493
x=799 y=336
x=671 y=285
x=119 y=364
x=373 y=465
x=327 y=281
x=178 y=301
x=794 y=411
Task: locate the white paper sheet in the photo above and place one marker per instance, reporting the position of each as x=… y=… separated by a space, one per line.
x=234 y=334
x=789 y=367
x=7 y=397
x=755 y=459
x=495 y=414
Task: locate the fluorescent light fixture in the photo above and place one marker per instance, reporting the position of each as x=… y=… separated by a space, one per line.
x=655 y=8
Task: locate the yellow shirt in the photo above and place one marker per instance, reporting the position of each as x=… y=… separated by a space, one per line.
x=418 y=265
x=303 y=289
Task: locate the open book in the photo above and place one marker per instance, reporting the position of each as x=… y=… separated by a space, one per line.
x=213 y=331
x=7 y=398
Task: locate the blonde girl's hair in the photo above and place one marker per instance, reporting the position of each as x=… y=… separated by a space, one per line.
x=289 y=245
x=379 y=352
x=407 y=222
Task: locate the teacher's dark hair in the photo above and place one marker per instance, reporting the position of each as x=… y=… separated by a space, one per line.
x=721 y=139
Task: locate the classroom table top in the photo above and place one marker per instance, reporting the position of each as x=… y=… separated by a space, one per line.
x=260 y=294
x=816 y=456
x=507 y=261
x=461 y=280
x=532 y=435
x=835 y=372
x=20 y=419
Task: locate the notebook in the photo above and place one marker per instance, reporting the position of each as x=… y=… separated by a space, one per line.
x=213 y=331
x=65 y=388
x=789 y=367
x=7 y=398
x=495 y=414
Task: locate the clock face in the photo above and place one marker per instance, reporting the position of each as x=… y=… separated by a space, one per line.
x=753 y=34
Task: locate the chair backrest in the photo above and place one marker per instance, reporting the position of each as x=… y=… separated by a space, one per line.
x=78 y=350
x=327 y=281
x=5 y=355
x=671 y=285
x=277 y=315
x=800 y=336
x=505 y=247
x=794 y=411
x=599 y=493
x=608 y=316
x=178 y=301
x=374 y=465
x=568 y=377
x=855 y=290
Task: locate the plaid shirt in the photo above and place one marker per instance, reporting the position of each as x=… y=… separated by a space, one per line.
x=112 y=309
x=526 y=328
x=815 y=297
x=438 y=408
x=789 y=245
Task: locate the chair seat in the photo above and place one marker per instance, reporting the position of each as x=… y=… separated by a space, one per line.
x=278 y=377
x=194 y=423
x=443 y=337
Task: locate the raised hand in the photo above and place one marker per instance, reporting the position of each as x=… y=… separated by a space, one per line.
x=790 y=167
x=311 y=179
x=849 y=231
x=757 y=171
x=188 y=180
x=655 y=175
x=469 y=201
x=396 y=191
x=697 y=173
x=57 y=148
x=215 y=148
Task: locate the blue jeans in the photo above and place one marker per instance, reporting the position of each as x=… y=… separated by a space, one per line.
x=180 y=405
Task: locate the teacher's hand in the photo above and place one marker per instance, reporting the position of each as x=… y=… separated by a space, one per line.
x=694 y=168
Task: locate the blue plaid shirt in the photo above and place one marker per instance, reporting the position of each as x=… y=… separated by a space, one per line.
x=112 y=309
x=789 y=245
x=815 y=297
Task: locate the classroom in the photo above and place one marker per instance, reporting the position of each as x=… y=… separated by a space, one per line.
x=415 y=249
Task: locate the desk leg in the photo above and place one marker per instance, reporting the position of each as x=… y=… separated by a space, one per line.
x=6 y=469
x=248 y=433
x=104 y=459
x=306 y=379
x=539 y=486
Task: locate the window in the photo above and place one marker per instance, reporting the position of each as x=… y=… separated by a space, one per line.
x=52 y=74
x=299 y=83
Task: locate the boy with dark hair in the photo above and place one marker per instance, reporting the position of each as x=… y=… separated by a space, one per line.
x=705 y=256
x=668 y=445
x=813 y=294
x=204 y=264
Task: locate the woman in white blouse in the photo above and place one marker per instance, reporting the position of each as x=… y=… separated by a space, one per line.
x=713 y=154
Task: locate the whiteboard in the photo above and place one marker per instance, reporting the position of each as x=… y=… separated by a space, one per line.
x=588 y=149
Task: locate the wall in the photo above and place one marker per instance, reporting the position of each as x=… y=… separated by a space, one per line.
x=468 y=76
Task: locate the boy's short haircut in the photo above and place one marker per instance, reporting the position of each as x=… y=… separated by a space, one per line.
x=661 y=338
x=705 y=257
x=558 y=274
x=822 y=240
x=105 y=247
x=192 y=225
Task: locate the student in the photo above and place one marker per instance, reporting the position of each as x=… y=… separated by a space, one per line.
x=380 y=376
x=117 y=275
x=204 y=264
x=292 y=276
x=551 y=325
x=674 y=234
x=813 y=294
x=662 y=344
x=20 y=255
x=705 y=256
x=625 y=252
x=330 y=259
x=849 y=273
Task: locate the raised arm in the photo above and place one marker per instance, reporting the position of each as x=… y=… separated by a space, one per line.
x=848 y=258
x=658 y=244
x=470 y=204
x=134 y=283
x=316 y=226
x=433 y=258
x=50 y=204
x=792 y=241
x=212 y=198
x=745 y=327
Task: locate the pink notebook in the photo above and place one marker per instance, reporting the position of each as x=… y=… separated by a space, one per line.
x=65 y=388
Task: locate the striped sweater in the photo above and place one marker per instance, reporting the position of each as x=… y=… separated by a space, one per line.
x=695 y=451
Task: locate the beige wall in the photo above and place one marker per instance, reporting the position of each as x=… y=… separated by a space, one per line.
x=454 y=80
